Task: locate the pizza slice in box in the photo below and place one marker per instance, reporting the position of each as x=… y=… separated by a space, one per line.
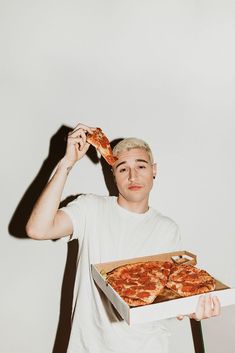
x=186 y=280
x=140 y=283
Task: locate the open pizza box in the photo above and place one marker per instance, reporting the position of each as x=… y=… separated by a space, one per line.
x=166 y=305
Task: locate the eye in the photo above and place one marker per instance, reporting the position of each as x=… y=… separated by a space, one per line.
x=142 y=166
x=122 y=170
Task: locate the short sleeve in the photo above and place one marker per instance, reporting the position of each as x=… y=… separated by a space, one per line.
x=76 y=210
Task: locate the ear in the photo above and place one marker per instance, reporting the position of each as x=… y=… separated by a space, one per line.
x=154 y=170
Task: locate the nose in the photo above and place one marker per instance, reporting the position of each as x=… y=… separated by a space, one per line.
x=132 y=174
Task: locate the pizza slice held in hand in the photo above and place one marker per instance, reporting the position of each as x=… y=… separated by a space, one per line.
x=102 y=144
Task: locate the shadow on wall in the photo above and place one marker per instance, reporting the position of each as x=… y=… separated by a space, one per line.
x=23 y=210
x=56 y=152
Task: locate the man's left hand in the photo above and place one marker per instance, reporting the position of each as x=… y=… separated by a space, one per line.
x=207 y=306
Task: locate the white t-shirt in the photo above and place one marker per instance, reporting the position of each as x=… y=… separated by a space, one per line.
x=108 y=232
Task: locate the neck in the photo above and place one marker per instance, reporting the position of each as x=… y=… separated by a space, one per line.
x=137 y=207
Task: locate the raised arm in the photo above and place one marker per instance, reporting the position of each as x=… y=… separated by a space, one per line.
x=46 y=220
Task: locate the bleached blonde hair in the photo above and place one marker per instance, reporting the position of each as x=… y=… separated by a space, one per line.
x=130 y=143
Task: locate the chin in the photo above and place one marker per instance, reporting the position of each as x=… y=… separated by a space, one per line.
x=135 y=198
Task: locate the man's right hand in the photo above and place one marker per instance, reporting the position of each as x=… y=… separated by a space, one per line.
x=77 y=144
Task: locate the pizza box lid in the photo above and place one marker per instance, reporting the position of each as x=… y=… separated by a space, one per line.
x=163 y=307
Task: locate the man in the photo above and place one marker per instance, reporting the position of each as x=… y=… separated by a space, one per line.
x=110 y=228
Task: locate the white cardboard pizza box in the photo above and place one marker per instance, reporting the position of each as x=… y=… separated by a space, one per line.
x=158 y=310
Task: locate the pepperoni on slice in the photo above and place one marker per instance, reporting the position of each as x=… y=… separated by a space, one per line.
x=188 y=288
x=150 y=286
x=128 y=292
x=143 y=294
x=167 y=265
x=104 y=142
x=144 y=279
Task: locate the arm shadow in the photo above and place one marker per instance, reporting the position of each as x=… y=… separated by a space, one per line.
x=23 y=210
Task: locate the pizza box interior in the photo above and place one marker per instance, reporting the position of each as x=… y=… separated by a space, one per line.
x=166 y=305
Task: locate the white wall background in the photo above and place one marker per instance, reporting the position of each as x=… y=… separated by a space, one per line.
x=160 y=70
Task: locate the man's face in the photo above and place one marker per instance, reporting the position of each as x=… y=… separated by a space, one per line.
x=134 y=174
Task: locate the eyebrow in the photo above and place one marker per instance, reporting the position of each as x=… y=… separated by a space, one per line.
x=137 y=160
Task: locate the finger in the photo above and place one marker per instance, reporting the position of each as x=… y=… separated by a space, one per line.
x=77 y=142
x=180 y=317
x=85 y=128
x=79 y=137
x=199 y=313
x=217 y=306
x=194 y=317
x=75 y=137
x=208 y=310
x=78 y=132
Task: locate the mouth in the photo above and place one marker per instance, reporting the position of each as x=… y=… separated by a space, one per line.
x=134 y=187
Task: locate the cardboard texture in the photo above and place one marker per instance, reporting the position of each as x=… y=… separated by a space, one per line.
x=166 y=305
